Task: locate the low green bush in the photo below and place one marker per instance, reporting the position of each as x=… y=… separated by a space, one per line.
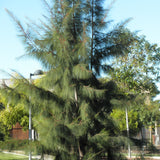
x=13 y=144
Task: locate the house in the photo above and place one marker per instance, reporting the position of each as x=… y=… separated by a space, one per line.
x=17 y=132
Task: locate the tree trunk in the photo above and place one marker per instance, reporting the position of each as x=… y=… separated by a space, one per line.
x=76 y=98
x=80 y=152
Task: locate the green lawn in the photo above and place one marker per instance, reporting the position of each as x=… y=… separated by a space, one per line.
x=8 y=156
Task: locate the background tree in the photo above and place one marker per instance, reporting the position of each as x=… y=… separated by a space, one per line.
x=138 y=69
x=133 y=117
x=136 y=73
x=10 y=114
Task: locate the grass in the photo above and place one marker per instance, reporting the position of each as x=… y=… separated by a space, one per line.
x=7 y=156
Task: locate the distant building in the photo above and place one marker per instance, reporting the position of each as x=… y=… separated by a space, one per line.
x=17 y=132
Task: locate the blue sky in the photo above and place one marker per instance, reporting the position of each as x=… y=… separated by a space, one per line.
x=11 y=46
x=145 y=14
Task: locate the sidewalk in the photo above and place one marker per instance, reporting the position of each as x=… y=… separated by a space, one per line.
x=37 y=157
x=21 y=154
x=145 y=157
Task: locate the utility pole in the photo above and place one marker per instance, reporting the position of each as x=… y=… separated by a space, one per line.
x=127 y=125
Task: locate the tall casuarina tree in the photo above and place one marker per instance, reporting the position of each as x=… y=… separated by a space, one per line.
x=70 y=106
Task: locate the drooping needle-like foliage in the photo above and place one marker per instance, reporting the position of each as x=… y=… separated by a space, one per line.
x=70 y=106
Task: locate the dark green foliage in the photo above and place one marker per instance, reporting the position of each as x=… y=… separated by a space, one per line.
x=14 y=145
x=1 y=135
x=25 y=146
x=1 y=106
